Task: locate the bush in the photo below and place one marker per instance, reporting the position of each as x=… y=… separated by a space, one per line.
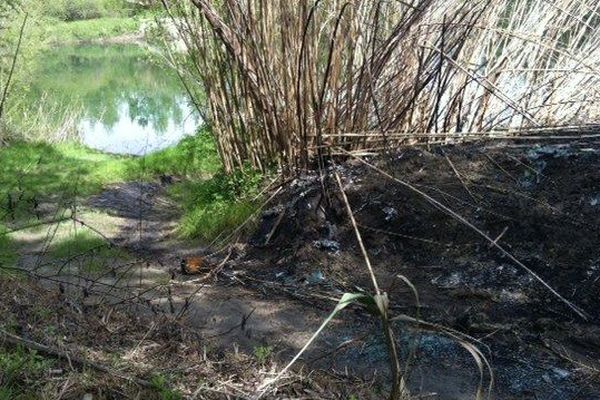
x=20 y=371
x=218 y=205
x=7 y=250
x=194 y=157
x=74 y=10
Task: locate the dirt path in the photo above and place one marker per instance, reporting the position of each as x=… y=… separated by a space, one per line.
x=236 y=312
x=230 y=310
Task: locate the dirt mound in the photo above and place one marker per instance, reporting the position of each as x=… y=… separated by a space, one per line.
x=540 y=202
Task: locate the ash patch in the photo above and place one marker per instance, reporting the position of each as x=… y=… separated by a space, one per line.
x=536 y=201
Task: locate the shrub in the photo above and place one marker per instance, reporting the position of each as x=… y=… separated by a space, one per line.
x=74 y=10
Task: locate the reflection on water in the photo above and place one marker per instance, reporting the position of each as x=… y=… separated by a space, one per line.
x=127 y=103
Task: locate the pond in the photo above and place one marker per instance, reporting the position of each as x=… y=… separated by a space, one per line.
x=119 y=99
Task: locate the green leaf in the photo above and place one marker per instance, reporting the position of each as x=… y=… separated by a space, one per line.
x=371 y=304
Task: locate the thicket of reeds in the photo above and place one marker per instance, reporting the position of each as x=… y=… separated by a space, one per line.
x=284 y=79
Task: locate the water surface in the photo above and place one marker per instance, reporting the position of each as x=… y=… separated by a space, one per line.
x=122 y=101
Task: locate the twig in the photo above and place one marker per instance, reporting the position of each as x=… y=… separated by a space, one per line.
x=363 y=249
x=12 y=67
x=64 y=355
x=459 y=176
x=399 y=389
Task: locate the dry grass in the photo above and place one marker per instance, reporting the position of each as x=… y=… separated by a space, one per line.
x=113 y=352
x=285 y=78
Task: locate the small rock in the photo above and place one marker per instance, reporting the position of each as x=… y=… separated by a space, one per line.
x=560 y=373
x=447 y=282
x=315 y=278
x=390 y=213
x=326 y=244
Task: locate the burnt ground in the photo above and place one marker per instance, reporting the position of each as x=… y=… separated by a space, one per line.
x=541 y=202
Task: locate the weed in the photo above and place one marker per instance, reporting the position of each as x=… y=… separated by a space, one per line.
x=7 y=249
x=10 y=322
x=89 y=30
x=77 y=10
x=33 y=173
x=213 y=202
x=20 y=370
x=95 y=252
x=263 y=353
x=217 y=205
x=160 y=385
x=193 y=157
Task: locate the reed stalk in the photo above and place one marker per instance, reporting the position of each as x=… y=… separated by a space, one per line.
x=283 y=79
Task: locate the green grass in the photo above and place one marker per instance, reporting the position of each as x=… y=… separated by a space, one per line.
x=216 y=205
x=161 y=386
x=33 y=173
x=72 y=10
x=61 y=33
x=7 y=250
x=21 y=370
x=195 y=157
x=263 y=353
x=212 y=202
x=207 y=221
x=81 y=242
x=37 y=172
x=98 y=253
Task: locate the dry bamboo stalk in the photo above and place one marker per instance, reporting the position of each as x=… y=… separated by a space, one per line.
x=283 y=77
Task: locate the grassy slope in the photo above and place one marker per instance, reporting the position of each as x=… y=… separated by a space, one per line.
x=89 y=30
x=34 y=173
x=39 y=171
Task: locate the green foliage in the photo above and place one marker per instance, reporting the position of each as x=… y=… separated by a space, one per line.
x=263 y=353
x=31 y=173
x=75 y=10
x=98 y=253
x=7 y=250
x=20 y=372
x=208 y=221
x=62 y=33
x=36 y=172
x=80 y=242
x=193 y=157
x=11 y=22
x=160 y=385
x=217 y=205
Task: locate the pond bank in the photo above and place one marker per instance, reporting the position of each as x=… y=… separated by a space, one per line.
x=113 y=96
x=100 y=30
